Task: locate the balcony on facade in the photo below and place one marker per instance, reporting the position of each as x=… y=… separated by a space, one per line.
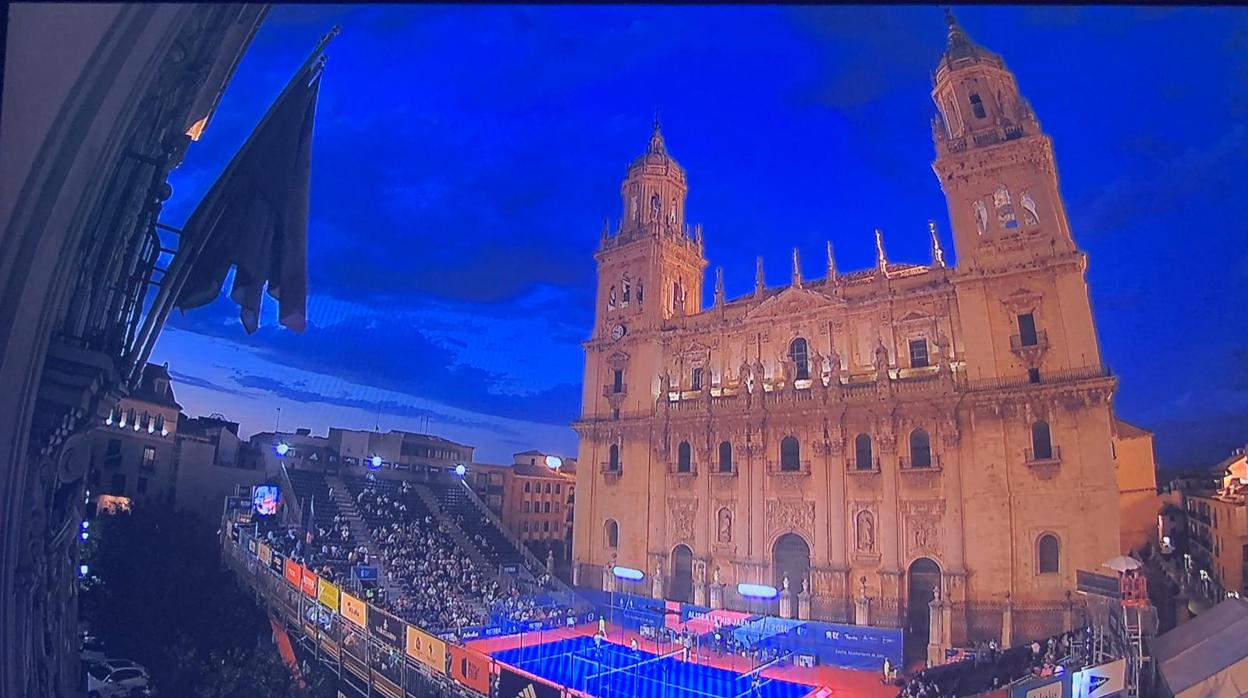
x=610 y=390
x=1053 y=457
x=906 y=464
x=1040 y=340
x=803 y=468
x=611 y=472
x=852 y=465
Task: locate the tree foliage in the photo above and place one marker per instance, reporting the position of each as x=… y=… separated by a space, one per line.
x=159 y=595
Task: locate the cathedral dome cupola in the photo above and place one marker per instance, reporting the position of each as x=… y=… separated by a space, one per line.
x=656 y=157
x=961 y=51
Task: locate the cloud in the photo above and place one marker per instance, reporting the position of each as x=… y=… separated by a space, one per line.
x=185 y=379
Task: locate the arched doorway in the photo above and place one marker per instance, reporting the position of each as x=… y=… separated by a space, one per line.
x=791 y=556
x=923 y=580
x=681 y=586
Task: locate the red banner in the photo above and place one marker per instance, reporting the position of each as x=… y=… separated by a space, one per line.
x=294 y=573
x=471 y=669
x=309 y=583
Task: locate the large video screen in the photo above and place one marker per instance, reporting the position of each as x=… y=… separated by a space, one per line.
x=264 y=499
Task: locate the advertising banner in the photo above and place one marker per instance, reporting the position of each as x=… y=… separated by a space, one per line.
x=1049 y=687
x=513 y=684
x=265 y=553
x=294 y=573
x=309 y=583
x=354 y=610
x=1100 y=681
x=470 y=669
x=251 y=546
x=426 y=649
x=327 y=594
x=386 y=628
x=278 y=563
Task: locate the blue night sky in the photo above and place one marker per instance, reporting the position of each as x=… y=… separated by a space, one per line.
x=465 y=158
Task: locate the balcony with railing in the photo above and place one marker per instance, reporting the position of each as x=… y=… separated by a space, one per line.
x=611 y=471
x=1050 y=456
x=1070 y=375
x=1037 y=340
x=775 y=468
x=611 y=389
x=855 y=465
x=907 y=464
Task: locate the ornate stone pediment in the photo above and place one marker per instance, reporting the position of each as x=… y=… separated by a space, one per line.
x=681 y=514
x=915 y=316
x=791 y=515
x=790 y=302
x=1021 y=301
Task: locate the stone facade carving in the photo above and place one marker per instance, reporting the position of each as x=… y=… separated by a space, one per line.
x=790 y=515
x=683 y=513
x=864 y=532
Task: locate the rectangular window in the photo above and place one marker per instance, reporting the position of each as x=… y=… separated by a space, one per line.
x=528 y=507
x=527 y=486
x=149 y=458
x=1027 y=330
x=118 y=485
x=142 y=486
x=112 y=456
x=918 y=353
x=546 y=507
x=546 y=526
x=697 y=379
x=548 y=488
x=617 y=383
x=615 y=414
x=558 y=489
x=1033 y=375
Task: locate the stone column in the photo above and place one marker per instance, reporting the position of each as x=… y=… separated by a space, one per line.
x=837 y=540
x=862 y=606
x=951 y=463
x=888 y=530
x=786 y=602
x=1007 y=623
x=717 y=596
x=699 y=593
x=576 y=574
x=1068 y=613
x=803 y=602
x=936 y=631
x=656 y=585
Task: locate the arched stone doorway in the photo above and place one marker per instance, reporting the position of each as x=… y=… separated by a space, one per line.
x=922 y=581
x=791 y=556
x=681 y=585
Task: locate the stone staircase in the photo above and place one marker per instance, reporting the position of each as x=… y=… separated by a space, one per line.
x=359 y=529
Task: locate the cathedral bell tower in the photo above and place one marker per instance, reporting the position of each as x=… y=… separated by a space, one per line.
x=651 y=268
x=994 y=163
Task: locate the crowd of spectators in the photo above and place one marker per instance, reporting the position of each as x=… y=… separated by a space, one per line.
x=323 y=553
x=989 y=668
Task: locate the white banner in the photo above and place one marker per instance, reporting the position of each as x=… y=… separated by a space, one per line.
x=1103 y=680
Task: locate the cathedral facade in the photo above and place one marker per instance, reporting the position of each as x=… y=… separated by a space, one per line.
x=917 y=446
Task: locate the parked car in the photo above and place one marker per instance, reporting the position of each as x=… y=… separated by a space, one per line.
x=116 y=663
x=92 y=649
x=103 y=682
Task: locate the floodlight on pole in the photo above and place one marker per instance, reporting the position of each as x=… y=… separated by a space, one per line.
x=460 y=469
x=757 y=591
x=628 y=573
x=375 y=462
x=553 y=462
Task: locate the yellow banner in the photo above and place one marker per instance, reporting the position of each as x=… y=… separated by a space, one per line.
x=265 y=553
x=327 y=594
x=354 y=610
x=426 y=649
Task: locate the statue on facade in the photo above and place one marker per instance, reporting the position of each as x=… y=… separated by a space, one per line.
x=665 y=384
x=817 y=361
x=759 y=375
x=725 y=525
x=880 y=360
x=866 y=532
x=806 y=585
x=715 y=575
x=743 y=375
x=834 y=367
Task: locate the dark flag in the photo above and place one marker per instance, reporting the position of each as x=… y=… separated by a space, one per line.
x=255 y=218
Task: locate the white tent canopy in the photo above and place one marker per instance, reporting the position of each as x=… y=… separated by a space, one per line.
x=1207 y=657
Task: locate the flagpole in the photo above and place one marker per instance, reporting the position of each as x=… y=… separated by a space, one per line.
x=179 y=268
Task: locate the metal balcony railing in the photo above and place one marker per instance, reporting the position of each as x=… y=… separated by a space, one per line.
x=1039 y=340
x=872 y=466
x=906 y=463
x=611 y=389
x=1054 y=455
x=774 y=468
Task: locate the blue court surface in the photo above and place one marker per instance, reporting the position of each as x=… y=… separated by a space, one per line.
x=619 y=672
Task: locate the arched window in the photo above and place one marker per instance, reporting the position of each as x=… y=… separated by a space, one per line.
x=790 y=454
x=1048 y=554
x=799 y=353
x=628 y=290
x=613 y=458
x=977 y=107
x=611 y=299
x=862 y=452
x=697 y=379
x=684 y=458
x=612 y=533
x=725 y=457
x=920 y=449
x=1041 y=444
